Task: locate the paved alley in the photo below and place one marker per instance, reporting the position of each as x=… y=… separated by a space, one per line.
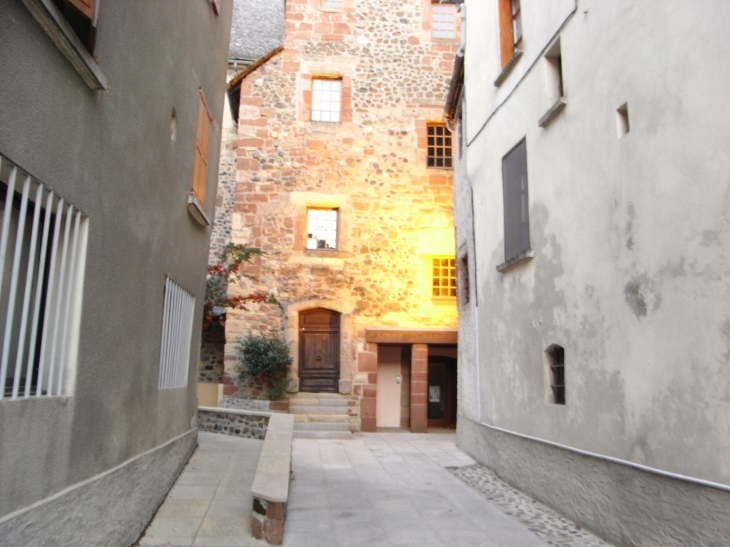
x=389 y=489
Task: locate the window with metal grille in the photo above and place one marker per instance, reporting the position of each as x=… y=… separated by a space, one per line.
x=42 y=249
x=440 y=149
x=322 y=228
x=556 y=369
x=443 y=278
x=326 y=98
x=442 y=21
x=177 y=325
x=516 y=219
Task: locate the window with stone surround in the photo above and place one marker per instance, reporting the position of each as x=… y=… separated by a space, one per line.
x=440 y=146
x=443 y=277
x=326 y=100
x=333 y=3
x=322 y=228
x=442 y=20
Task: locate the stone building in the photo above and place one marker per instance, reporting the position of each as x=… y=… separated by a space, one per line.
x=343 y=177
x=110 y=119
x=591 y=206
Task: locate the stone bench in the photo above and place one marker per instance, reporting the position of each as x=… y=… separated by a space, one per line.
x=270 y=488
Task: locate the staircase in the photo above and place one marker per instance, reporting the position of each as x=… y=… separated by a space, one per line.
x=320 y=415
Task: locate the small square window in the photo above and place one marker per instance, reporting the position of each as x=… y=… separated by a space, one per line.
x=326 y=99
x=440 y=149
x=322 y=229
x=443 y=278
x=442 y=21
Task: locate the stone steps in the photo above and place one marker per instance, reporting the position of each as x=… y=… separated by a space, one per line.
x=320 y=416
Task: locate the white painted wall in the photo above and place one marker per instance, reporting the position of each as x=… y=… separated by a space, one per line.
x=630 y=235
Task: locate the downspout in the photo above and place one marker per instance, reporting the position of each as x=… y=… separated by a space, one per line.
x=459 y=62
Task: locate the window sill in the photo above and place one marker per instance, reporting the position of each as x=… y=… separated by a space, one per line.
x=196 y=211
x=552 y=112
x=47 y=14
x=521 y=258
x=329 y=253
x=444 y=301
x=508 y=68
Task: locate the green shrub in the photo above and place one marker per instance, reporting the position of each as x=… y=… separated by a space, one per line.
x=265 y=358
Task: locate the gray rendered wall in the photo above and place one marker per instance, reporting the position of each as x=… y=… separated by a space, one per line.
x=111 y=154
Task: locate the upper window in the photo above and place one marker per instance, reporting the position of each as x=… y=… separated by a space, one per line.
x=440 y=150
x=510 y=29
x=177 y=325
x=322 y=228
x=442 y=20
x=326 y=99
x=443 y=278
x=41 y=242
x=202 y=150
x=80 y=15
x=516 y=220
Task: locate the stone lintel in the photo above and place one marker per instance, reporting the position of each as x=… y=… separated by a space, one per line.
x=411 y=336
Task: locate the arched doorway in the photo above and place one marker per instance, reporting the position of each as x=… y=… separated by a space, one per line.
x=319 y=350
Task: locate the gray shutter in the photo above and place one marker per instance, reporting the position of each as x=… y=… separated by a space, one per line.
x=516 y=205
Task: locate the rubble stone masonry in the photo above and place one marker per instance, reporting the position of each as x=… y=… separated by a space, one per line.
x=394 y=213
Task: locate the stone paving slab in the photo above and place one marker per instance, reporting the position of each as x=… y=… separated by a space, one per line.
x=391 y=489
x=540 y=519
x=210 y=503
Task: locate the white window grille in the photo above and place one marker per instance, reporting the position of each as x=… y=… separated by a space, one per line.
x=177 y=325
x=322 y=228
x=442 y=21
x=326 y=100
x=42 y=251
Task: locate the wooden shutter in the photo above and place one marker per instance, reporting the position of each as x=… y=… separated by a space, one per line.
x=516 y=205
x=202 y=148
x=506 y=41
x=86 y=7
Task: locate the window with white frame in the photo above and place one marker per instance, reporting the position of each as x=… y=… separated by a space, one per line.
x=177 y=328
x=321 y=228
x=326 y=99
x=442 y=21
x=332 y=3
x=42 y=249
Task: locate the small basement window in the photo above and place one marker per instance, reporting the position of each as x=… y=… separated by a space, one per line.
x=555 y=356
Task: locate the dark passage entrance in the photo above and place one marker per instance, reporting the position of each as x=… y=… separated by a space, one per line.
x=319 y=350
x=441 y=392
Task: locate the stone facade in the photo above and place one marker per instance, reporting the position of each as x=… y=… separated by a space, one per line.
x=239 y=424
x=394 y=212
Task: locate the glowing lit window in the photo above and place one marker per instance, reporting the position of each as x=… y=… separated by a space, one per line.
x=440 y=148
x=443 y=278
x=442 y=21
x=326 y=95
x=322 y=228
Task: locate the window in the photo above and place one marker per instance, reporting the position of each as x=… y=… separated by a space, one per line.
x=622 y=120
x=443 y=278
x=326 y=98
x=177 y=328
x=42 y=243
x=322 y=228
x=80 y=15
x=516 y=220
x=555 y=355
x=442 y=20
x=332 y=3
x=510 y=29
x=202 y=149
x=553 y=62
x=464 y=279
x=440 y=150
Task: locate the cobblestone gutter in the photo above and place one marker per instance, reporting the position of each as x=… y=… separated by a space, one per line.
x=241 y=423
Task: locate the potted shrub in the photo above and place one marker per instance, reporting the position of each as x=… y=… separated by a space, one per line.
x=265 y=358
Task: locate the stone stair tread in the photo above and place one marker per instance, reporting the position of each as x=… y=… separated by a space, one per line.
x=323 y=434
x=321 y=426
x=317 y=409
x=319 y=402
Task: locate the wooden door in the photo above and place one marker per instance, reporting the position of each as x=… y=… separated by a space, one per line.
x=441 y=395
x=319 y=350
